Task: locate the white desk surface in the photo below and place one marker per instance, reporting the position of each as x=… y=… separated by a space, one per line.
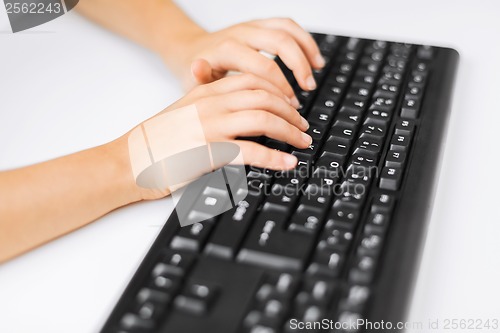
x=68 y=85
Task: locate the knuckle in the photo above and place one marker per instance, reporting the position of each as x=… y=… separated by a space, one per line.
x=282 y=37
x=270 y=66
x=262 y=95
x=248 y=79
x=262 y=117
x=289 y=21
x=228 y=44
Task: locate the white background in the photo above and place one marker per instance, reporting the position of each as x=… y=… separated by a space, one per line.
x=70 y=85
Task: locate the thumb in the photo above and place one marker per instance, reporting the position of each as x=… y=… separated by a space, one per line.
x=202 y=71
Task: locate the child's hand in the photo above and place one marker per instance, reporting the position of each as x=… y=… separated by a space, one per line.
x=236 y=106
x=205 y=57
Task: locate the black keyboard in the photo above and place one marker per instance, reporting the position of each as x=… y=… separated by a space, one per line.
x=334 y=241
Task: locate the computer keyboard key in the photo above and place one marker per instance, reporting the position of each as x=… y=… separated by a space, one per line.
x=150 y=310
x=312 y=150
x=425 y=52
x=328 y=43
x=349 y=119
x=418 y=77
x=166 y=283
x=257 y=322
x=151 y=295
x=231 y=228
x=258 y=182
x=374 y=129
x=318 y=292
x=359 y=93
x=385 y=89
x=379 y=117
x=369 y=65
x=335 y=238
x=355 y=298
x=132 y=322
x=173 y=263
x=377 y=222
x=326 y=263
x=351 y=321
x=358 y=105
x=344 y=215
x=363 y=81
x=332 y=90
x=370 y=245
x=343 y=68
x=270 y=245
x=192 y=237
x=369 y=144
x=316 y=131
x=304 y=162
x=385 y=103
x=414 y=92
x=395 y=159
x=281 y=198
x=353 y=193
x=400 y=142
x=307 y=219
x=343 y=133
x=320 y=117
x=336 y=147
x=317 y=194
x=326 y=104
x=363 y=270
x=383 y=202
x=396 y=62
x=364 y=159
x=410 y=108
x=295 y=177
x=280 y=286
x=274 y=308
x=405 y=127
x=196 y=298
x=390 y=178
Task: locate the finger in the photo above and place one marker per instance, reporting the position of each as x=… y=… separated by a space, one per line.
x=233 y=55
x=259 y=122
x=259 y=156
x=255 y=100
x=230 y=84
x=303 y=38
x=240 y=82
x=285 y=46
x=203 y=73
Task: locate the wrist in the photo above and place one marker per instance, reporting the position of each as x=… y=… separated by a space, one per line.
x=173 y=34
x=123 y=184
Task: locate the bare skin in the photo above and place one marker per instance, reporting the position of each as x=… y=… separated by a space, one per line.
x=41 y=202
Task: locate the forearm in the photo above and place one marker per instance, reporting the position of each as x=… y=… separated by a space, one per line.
x=156 y=24
x=44 y=201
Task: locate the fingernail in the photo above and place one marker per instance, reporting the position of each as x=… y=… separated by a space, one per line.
x=320 y=61
x=290 y=160
x=307 y=138
x=310 y=83
x=295 y=102
x=304 y=123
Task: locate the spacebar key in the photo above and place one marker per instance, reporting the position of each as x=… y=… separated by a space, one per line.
x=269 y=244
